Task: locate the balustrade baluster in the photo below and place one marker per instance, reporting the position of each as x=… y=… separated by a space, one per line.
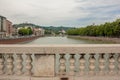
x=19 y=65
x=111 y=64
x=82 y=64
x=92 y=64
x=72 y=65
x=119 y=64
x=28 y=64
x=62 y=64
x=101 y=64
x=9 y=64
x=1 y=64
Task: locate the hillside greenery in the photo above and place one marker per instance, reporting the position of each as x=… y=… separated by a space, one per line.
x=108 y=29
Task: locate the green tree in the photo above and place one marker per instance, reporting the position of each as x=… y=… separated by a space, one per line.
x=30 y=30
x=25 y=31
x=109 y=29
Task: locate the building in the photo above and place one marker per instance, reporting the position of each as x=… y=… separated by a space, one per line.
x=38 y=31
x=2 y=26
x=62 y=32
x=14 y=31
x=5 y=27
x=9 y=28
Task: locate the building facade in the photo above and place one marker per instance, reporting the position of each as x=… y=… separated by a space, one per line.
x=9 y=28
x=5 y=27
x=38 y=31
x=2 y=26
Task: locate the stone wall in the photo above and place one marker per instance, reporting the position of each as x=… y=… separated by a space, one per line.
x=17 y=40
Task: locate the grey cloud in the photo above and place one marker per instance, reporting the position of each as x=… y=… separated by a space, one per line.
x=60 y=12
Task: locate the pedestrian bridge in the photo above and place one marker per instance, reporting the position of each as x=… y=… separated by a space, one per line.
x=60 y=62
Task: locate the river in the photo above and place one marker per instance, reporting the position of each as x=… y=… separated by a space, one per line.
x=62 y=40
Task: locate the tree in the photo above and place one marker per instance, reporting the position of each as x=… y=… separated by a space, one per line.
x=30 y=30
x=109 y=29
x=25 y=31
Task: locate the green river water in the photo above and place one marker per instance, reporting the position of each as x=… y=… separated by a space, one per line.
x=62 y=40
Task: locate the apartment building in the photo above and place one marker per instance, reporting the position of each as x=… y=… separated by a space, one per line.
x=2 y=26
x=5 y=27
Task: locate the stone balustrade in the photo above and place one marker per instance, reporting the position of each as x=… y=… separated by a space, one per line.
x=60 y=62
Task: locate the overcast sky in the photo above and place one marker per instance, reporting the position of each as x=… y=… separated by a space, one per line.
x=74 y=13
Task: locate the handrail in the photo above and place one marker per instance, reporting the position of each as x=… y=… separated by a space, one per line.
x=82 y=61
x=61 y=49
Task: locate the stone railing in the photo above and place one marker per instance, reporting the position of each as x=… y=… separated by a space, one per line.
x=60 y=62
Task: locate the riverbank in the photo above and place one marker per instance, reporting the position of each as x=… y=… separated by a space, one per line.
x=18 y=40
x=103 y=39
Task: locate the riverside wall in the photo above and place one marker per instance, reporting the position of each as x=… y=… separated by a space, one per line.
x=18 y=40
x=105 y=39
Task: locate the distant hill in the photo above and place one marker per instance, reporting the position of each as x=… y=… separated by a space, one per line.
x=48 y=29
x=25 y=24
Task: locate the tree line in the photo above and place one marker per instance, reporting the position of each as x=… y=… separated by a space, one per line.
x=108 y=29
x=25 y=31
